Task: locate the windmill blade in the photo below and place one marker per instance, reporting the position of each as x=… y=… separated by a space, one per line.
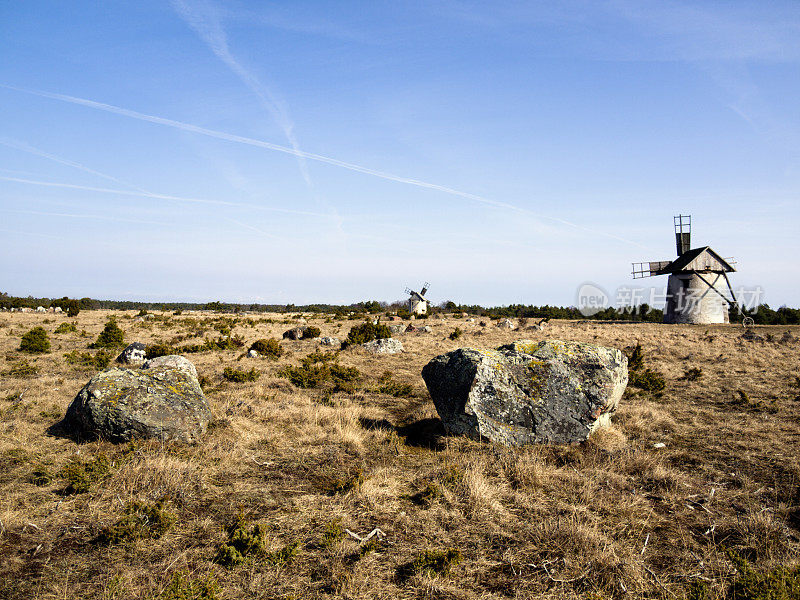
x=425 y=287
x=648 y=269
x=410 y=292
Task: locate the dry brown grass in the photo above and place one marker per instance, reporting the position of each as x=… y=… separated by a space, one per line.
x=615 y=517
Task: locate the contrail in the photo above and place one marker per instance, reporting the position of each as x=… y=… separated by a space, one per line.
x=87 y=188
x=207 y=25
x=311 y=156
x=36 y=152
x=81 y=216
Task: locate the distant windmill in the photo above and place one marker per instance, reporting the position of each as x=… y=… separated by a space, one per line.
x=697 y=280
x=417 y=302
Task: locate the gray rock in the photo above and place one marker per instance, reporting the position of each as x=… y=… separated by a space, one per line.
x=253 y=354
x=506 y=324
x=134 y=354
x=171 y=361
x=121 y=404
x=396 y=328
x=41 y=309
x=527 y=392
x=58 y=309
x=296 y=333
x=330 y=341
x=426 y=329
x=384 y=346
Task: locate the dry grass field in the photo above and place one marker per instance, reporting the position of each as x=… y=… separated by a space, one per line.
x=692 y=493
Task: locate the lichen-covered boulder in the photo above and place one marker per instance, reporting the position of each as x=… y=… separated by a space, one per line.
x=134 y=354
x=527 y=392
x=172 y=361
x=396 y=328
x=121 y=404
x=296 y=333
x=329 y=341
x=384 y=346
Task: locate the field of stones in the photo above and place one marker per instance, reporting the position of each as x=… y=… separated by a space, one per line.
x=326 y=472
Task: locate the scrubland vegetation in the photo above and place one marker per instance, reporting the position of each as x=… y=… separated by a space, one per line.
x=693 y=492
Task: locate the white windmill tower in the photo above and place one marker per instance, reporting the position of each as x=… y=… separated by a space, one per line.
x=698 y=280
x=417 y=302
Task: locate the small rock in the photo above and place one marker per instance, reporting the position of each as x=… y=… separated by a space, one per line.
x=426 y=329
x=58 y=309
x=411 y=329
x=506 y=324
x=660 y=445
x=330 y=341
x=41 y=309
x=384 y=346
x=396 y=328
x=253 y=354
x=134 y=354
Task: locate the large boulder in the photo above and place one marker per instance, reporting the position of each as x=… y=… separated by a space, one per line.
x=172 y=361
x=134 y=354
x=120 y=404
x=527 y=392
x=384 y=346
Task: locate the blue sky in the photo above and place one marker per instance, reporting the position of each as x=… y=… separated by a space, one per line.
x=334 y=152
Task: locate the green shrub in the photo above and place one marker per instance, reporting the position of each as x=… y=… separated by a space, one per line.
x=81 y=475
x=387 y=385
x=184 y=587
x=271 y=348
x=776 y=584
x=693 y=374
x=311 y=332
x=159 y=349
x=22 y=370
x=457 y=333
x=35 y=341
x=333 y=533
x=111 y=336
x=41 y=475
x=636 y=359
x=243 y=542
x=73 y=308
x=347 y=484
x=235 y=375
x=432 y=562
x=66 y=328
x=366 y=332
x=318 y=368
x=99 y=360
x=647 y=380
x=139 y=521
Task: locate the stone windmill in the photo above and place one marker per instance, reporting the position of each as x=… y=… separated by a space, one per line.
x=698 y=280
x=417 y=302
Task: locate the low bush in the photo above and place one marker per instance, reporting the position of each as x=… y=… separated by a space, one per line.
x=270 y=348
x=347 y=484
x=777 y=584
x=387 y=385
x=237 y=376
x=22 y=370
x=311 y=332
x=88 y=360
x=35 y=341
x=244 y=542
x=111 y=336
x=647 y=380
x=318 y=368
x=692 y=374
x=457 y=333
x=139 y=521
x=80 y=475
x=184 y=587
x=66 y=328
x=366 y=332
x=431 y=562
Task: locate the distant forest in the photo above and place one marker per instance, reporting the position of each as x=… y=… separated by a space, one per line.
x=764 y=315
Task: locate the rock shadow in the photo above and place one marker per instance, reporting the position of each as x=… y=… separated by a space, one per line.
x=424 y=433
